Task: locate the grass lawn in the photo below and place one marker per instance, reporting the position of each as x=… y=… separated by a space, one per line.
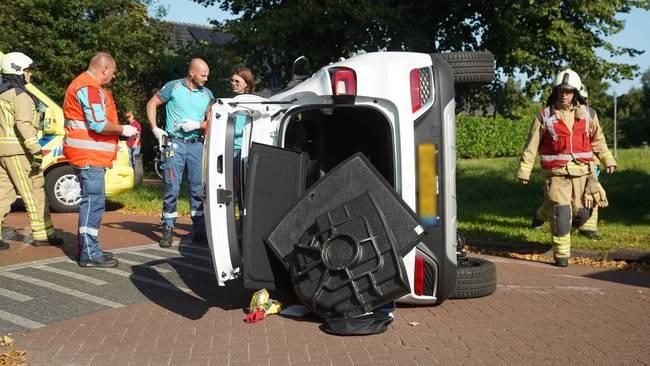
x=492 y=206
x=147 y=199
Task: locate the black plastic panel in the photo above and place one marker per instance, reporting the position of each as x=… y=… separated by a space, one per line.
x=276 y=181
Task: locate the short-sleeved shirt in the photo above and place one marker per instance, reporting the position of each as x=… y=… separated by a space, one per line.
x=183 y=103
x=131 y=142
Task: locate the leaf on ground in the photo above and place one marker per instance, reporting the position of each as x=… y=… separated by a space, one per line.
x=414 y=323
x=14 y=358
x=6 y=341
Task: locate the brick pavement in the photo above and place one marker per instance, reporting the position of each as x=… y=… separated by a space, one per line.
x=539 y=315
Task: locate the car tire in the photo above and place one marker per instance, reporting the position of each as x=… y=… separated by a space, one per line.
x=470 y=67
x=60 y=187
x=476 y=278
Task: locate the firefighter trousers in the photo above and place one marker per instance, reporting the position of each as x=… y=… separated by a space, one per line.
x=563 y=199
x=17 y=177
x=590 y=225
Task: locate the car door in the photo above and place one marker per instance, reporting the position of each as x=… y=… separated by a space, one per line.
x=223 y=218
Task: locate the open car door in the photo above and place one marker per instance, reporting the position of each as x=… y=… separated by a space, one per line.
x=221 y=199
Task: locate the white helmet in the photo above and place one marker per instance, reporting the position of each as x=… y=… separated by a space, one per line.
x=15 y=63
x=583 y=92
x=567 y=79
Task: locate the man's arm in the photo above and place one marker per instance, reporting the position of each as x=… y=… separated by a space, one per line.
x=599 y=145
x=527 y=160
x=152 y=106
x=24 y=117
x=93 y=103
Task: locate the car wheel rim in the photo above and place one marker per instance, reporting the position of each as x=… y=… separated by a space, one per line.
x=67 y=190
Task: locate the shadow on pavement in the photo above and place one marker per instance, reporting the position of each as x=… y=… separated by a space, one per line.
x=626 y=277
x=150 y=230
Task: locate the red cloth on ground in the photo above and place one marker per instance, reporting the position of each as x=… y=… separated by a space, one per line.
x=255 y=316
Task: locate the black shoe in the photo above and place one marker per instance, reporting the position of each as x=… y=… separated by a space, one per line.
x=199 y=238
x=167 y=237
x=102 y=262
x=536 y=223
x=108 y=255
x=562 y=261
x=53 y=241
x=4 y=245
x=593 y=235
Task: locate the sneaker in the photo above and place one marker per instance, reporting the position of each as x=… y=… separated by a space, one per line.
x=593 y=235
x=199 y=238
x=562 y=261
x=102 y=262
x=167 y=237
x=536 y=223
x=4 y=245
x=54 y=241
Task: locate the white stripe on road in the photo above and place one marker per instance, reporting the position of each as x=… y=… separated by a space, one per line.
x=76 y=276
x=136 y=263
x=148 y=280
x=19 y=320
x=189 y=255
x=62 y=289
x=173 y=260
x=14 y=295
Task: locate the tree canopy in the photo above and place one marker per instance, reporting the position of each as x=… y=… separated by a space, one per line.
x=536 y=38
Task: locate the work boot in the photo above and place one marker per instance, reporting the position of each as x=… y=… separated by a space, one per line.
x=591 y=234
x=101 y=262
x=536 y=223
x=561 y=261
x=3 y=245
x=53 y=241
x=106 y=254
x=167 y=237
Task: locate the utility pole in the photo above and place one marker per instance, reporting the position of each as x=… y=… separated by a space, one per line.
x=615 y=138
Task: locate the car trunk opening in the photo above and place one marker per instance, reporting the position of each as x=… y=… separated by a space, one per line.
x=329 y=135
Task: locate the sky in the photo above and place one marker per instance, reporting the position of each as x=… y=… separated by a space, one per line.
x=637 y=28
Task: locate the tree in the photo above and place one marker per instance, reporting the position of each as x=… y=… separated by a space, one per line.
x=62 y=36
x=534 y=38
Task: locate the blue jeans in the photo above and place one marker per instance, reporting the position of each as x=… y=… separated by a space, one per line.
x=188 y=156
x=91 y=209
x=134 y=151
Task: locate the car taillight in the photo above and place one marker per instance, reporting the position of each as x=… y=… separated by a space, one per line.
x=420 y=80
x=418 y=286
x=344 y=81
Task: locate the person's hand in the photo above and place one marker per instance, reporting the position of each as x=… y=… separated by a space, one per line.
x=522 y=181
x=159 y=133
x=611 y=169
x=37 y=161
x=595 y=193
x=128 y=130
x=188 y=125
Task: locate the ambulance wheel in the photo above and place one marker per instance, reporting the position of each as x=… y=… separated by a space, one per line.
x=476 y=278
x=470 y=67
x=63 y=189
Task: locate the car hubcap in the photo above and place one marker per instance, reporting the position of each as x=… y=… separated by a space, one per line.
x=67 y=190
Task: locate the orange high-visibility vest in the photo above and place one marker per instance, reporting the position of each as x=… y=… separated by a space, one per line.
x=559 y=145
x=82 y=146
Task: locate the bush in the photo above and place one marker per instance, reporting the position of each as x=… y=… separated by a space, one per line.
x=491 y=137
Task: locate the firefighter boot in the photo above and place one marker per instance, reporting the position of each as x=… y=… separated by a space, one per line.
x=53 y=241
x=167 y=237
x=591 y=234
x=561 y=261
x=3 y=245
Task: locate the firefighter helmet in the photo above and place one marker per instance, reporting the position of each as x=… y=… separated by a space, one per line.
x=567 y=79
x=583 y=92
x=15 y=63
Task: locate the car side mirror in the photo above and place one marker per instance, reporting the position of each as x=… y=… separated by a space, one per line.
x=300 y=70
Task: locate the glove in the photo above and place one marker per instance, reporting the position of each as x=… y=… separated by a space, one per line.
x=188 y=125
x=595 y=194
x=159 y=133
x=37 y=161
x=128 y=130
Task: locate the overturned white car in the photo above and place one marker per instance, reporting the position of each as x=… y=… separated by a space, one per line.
x=348 y=182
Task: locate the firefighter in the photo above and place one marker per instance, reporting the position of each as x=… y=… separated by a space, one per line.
x=92 y=131
x=20 y=152
x=566 y=136
x=590 y=227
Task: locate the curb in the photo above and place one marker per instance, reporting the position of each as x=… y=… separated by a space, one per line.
x=628 y=255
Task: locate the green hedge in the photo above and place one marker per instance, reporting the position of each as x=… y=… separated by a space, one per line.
x=490 y=137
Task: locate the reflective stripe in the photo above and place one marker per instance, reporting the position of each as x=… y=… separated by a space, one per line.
x=606 y=155
x=562 y=245
x=88 y=230
x=76 y=125
x=89 y=145
x=9 y=140
x=196 y=213
x=525 y=166
x=586 y=155
x=170 y=215
x=587 y=117
x=548 y=122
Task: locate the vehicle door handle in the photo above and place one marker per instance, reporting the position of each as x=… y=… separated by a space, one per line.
x=220 y=164
x=224 y=196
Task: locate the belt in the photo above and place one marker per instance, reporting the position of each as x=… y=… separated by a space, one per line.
x=189 y=140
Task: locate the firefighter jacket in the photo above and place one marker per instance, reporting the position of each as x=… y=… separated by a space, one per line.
x=566 y=138
x=82 y=146
x=18 y=118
